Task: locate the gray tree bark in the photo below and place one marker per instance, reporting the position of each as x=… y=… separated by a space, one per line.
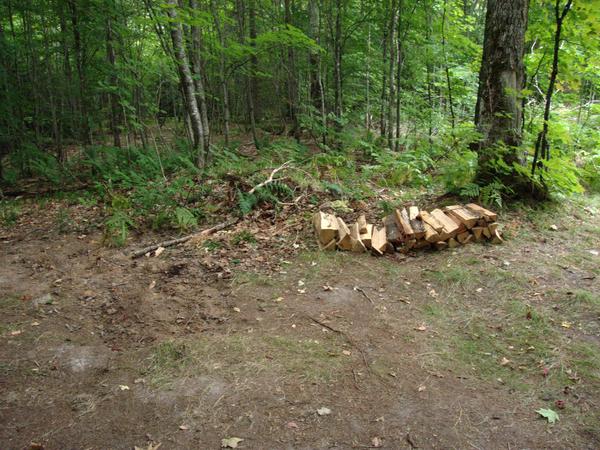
x=498 y=109
x=187 y=82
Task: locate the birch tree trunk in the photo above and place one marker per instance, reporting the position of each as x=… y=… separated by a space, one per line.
x=187 y=83
x=199 y=83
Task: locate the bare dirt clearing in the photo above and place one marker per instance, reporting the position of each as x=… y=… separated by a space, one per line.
x=455 y=349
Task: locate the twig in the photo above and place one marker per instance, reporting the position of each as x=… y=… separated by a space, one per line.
x=270 y=179
x=362 y=291
x=181 y=240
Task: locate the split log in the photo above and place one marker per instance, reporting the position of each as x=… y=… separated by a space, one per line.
x=452 y=243
x=362 y=223
x=326 y=226
x=487 y=233
x=413 y=212
x=181 y=240
x=418 y=228
x=465 y=217
x=450 y=228
x=487 y=214
x=430 y=234
x=441 y=245
x=357 y=244
x=379 y=241
x=496 y=238
x=345 y=240
x=330 y=246
x=366 y=237
x=421 y=244
x=430 y=220
x=464 y=238
x=403 y=222
x=394 y=236
x=477 y=232
x=461 y=226
x=451 y=208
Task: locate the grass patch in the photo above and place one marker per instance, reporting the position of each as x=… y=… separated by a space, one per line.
x=238 y=355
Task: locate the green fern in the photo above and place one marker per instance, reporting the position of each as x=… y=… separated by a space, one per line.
x=185 y=219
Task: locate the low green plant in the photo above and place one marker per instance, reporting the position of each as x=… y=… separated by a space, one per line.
x=9 y=213
x=185 y=220
x=119 y=222
x=243 y=236
x=64 y=222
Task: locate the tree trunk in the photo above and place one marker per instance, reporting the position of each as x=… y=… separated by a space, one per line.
x=542 y=148
x=222 y=75
x=199 y=83
x=113 y=81
x=391 y=78
x=86 y=135
x=498 y=109
x=241 y=18
x=337 y=62
x=291 y=71
x=187 y=83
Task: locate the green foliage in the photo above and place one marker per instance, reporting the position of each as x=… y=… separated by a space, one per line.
x=9 y=213
x=271 y=193
x=63 y=221
x=243 y=236
x=118 y=223
x=459 y=171
x=185 y=219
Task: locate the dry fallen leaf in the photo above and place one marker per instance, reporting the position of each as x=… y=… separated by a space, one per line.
x=433 y=293
x=231 y=442
x=184 y=427
x=504 y=361
x=346 y=352
x=158 y=251
x=566 y=324
x=123 y=387
x=376 y=442
x=236 y=309
x=278 y=299
x=421 y=328
x=302 y=291
x=152 y=284
x=16 y=332
x=421 y=388
x=292 y=425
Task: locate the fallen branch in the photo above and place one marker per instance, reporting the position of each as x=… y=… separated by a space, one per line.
x=270 y=179
x=181 y=240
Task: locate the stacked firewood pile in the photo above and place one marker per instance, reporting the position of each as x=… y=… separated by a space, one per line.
x=408 y=229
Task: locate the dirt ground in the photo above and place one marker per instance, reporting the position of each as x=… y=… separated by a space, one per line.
x=283 y=346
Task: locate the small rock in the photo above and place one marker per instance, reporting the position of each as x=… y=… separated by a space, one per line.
x=323 y=411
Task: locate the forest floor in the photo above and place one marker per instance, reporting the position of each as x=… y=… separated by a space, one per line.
x=289 y=347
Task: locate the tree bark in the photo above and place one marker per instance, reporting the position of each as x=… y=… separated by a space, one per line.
x=222 y=76
x=113 y=81
x=187 y=83
x=199 y=83
x=86 y=135
x=498 y=109
x=291 y=71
